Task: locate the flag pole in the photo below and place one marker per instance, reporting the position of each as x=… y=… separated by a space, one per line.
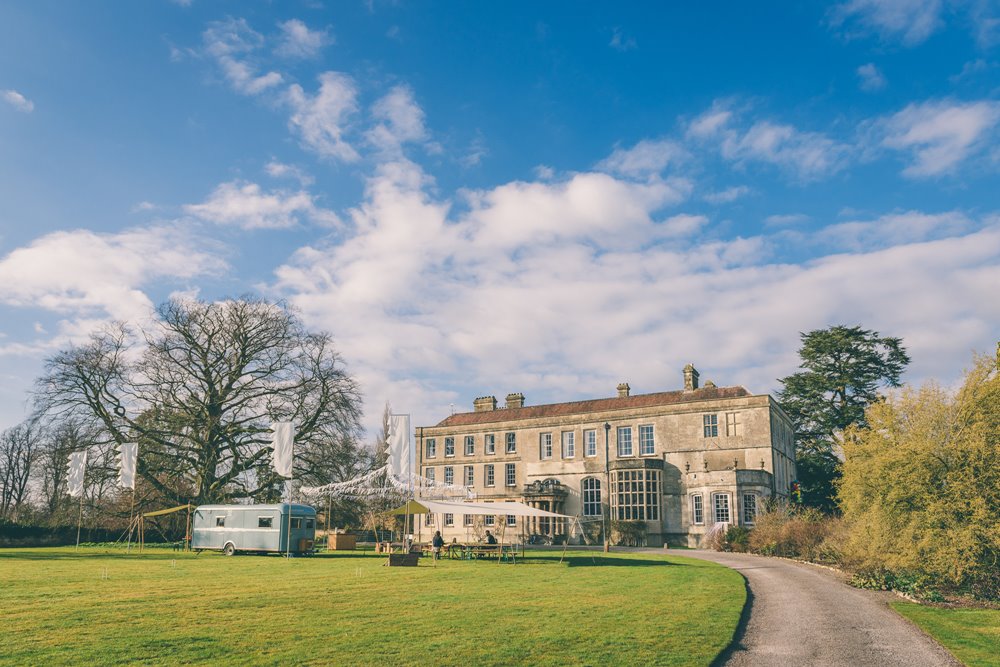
x=79 y=521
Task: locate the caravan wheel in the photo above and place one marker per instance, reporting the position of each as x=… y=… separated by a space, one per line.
x=229 y=549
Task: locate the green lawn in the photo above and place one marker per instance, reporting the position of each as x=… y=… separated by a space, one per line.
x=972 y=635
x=104 y=607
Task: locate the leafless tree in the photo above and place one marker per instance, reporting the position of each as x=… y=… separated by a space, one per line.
x=198 y=390
x=20 y=447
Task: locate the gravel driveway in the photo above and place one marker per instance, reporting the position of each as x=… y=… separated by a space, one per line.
x=803 y=615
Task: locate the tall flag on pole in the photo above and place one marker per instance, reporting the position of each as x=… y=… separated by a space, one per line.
x=284 y=435
x=127 y=453
x=399 y=445
x=77 y=468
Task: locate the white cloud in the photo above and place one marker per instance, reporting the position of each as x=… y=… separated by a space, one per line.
x=554 y=289
x=143 y=207
x=321 y=119
x=246 y=205
x=622 y=42
x=232 y=43
x=646 y=158
x=910 y=21
x=871 y=79
x=728 y=195
x=298 y=41
x=277 y=169
x=939 y=134
x=804 y=155
x=785 y=220
x=399 y=120
x=17 y=100
x=88 y=275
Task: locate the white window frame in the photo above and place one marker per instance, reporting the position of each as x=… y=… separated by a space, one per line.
x=710 y=425
x=636 y=494
x=591 y=497
x=623 y=442
x=717 y=507
x=490 y=520
x=468 y=519
x=470 y=476
x=568 y=444
x=545 y=446
x=510 y=475
x=431 y=448
x=449 y=446
x=470 y=445
x=449 y=519
x=646 y=429
x=490 y=443
x=590 y=442
x=512 y=520
x=697 y=509
x=429 y=474
x=750 y=509
x=510 y=442
x=489 y=475
x=449 y=474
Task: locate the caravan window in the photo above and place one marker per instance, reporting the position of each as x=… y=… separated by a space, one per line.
x=296 y=523
x=220 y=521
x=309 y=524
x=264 y=521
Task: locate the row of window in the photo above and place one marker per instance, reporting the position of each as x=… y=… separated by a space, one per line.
x=710 y=425
x=268 y=522
x=721 y=510
x=489 y=445
x=469 y=475
x=489 y=520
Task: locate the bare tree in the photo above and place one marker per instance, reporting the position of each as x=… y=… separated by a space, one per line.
x=198 y=390
x=20 y=447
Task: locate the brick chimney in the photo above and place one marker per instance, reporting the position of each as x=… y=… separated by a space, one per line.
x=515 y=400
x=484 y=404
x=690 y=378
x=623 y=390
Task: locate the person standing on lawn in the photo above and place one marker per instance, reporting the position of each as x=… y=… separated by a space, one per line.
x=436 y=543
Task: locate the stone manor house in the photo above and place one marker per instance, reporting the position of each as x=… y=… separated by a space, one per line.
x=680 y=461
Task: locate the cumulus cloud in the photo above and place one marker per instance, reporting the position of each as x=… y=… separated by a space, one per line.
x=870 y=78
x=232 y=44
x=399 y=120
x=938 y=135
x=247 y=205
x=298 y=41
x=646 y=158
x=17 y=100
x=728 y=195
x=321 y=119
x=803 y=154
x=909 y=21
x=277 y=169
x=894 y=229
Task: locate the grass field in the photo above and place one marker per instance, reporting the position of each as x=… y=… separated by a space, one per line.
x=972 y=635
x=104 y=607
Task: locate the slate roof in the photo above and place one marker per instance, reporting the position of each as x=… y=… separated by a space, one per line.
x=593 y=405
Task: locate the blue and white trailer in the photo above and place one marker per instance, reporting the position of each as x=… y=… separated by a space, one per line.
x=254 y=528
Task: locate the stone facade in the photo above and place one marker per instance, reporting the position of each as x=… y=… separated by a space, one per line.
x=680 y=461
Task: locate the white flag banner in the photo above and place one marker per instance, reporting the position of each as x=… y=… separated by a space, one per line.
x=77 y=468
x=284 y=435
x=127 y=453
x=399 y=441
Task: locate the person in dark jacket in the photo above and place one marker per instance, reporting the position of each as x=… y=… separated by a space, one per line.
x=436 y=543
x=489 y=538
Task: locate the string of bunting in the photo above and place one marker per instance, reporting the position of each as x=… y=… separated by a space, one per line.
x=381 y=482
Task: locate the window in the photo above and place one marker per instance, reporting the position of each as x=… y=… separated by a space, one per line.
x=469 y=476
x=265 y=521
x=591 y=493
x=432 y=449
x=590 y=442
x=510 y=477
x=449 y=446
x=490 y=520
x=568 y=444
x=545 y=446
x=428 y=519
x=697 y=509
x=490 y=478
x=220 y=522
x=467 y=519
x=310 y=524
x=449 y=475
x=711 y=424
x=449 y=519
x=490 y=443
x=646 y=440
x=624 y=441
x=721 y=501
x=511 y=443
x=429 y=474
x=732 y=424
x=296 y=523
x=749 y=508
x=470 y=445
x=511 y=520
x=635 y=495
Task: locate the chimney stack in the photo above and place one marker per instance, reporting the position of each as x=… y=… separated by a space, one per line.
x=690 y=378
x=484 y=404
x=515 y=400
x=623 y=390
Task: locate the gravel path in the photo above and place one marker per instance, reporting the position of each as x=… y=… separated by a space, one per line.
x=804 y=615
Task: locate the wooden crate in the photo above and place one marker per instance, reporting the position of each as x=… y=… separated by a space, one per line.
x=341 y=541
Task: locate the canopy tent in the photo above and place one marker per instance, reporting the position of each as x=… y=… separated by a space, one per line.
x=509 y=508
x=140 y=523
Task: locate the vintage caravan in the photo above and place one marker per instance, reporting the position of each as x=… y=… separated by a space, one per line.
x=254 y=528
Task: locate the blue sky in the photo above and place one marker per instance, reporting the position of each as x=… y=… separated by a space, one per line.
x=482 y=198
